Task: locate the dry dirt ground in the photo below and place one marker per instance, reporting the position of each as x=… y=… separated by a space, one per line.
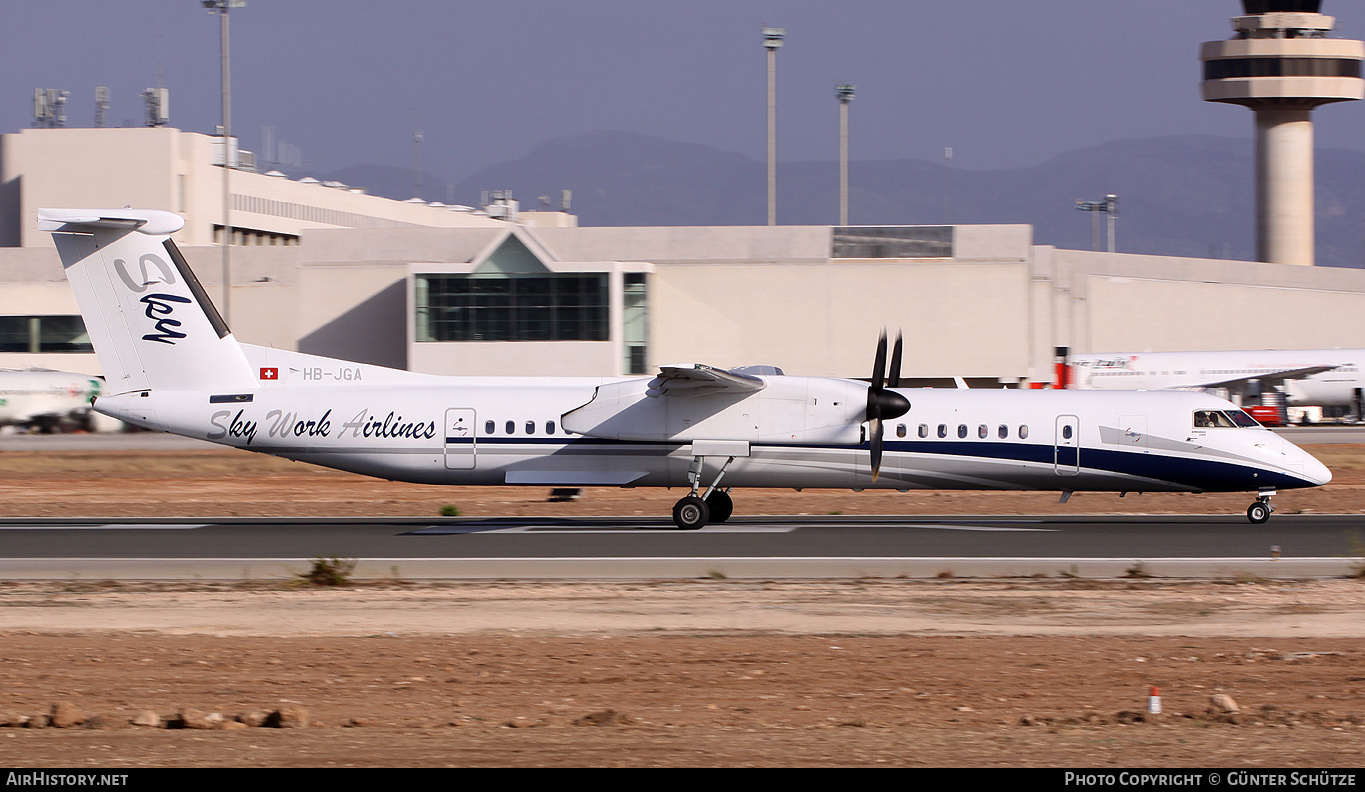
x=1048 y=672
x=226 y=482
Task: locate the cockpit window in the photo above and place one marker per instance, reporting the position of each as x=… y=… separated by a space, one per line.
x=1209 y=419
x=1242 y=419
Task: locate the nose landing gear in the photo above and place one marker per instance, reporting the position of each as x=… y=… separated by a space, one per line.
x=1261 y=510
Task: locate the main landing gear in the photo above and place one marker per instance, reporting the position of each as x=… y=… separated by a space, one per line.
x=696 y=510
x=1261 y=510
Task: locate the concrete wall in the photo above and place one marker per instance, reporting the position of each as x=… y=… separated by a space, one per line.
x=1114 y=302
x=89 y=168
x=520 y=358
x=992 y=242
x=166 y=168
x=823 y=320
x=994 y=313
x=354 y=312
x=684 y=244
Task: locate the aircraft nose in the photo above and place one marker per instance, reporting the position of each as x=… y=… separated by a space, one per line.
x=1315 y=471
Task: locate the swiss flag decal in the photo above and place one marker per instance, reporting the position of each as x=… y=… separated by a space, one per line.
x=270 y=373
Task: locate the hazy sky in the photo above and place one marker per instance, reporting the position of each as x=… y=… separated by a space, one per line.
x=1004 y=82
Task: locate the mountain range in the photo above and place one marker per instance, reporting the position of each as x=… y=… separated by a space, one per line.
x=1178 y=196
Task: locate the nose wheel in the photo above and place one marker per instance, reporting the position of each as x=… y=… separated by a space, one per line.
x=1261 y=510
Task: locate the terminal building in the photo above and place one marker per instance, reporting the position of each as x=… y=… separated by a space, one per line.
x=329 y=270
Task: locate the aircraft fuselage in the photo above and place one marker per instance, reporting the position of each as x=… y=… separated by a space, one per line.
x=512 y=431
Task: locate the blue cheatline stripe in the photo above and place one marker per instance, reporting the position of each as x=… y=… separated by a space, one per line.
x=1204 y=474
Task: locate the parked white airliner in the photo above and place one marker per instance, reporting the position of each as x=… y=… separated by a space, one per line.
x=170 y=363
x=45 y=399
x=1310 y=377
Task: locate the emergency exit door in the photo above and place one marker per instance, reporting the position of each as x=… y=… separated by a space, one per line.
x=460 y=445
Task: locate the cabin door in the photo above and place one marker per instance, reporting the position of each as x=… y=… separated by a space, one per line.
x=460 y=443
x=1066 y=446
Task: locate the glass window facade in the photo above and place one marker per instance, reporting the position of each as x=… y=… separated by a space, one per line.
x=43 y=334
x=892 y=242
x=635 y=321
x=512 y=307
x=1234 y=68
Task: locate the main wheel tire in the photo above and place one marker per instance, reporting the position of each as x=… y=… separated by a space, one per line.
x=1258 y=512
x=691 y=513
x=721 y=506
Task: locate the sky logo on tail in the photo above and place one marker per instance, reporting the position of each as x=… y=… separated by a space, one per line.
x=159 y=308
x=167 y=274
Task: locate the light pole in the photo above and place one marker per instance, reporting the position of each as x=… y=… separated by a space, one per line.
x=1110 y=207
x=844 y=93
x=947 y=183
x=772 y=39
x=221 y=8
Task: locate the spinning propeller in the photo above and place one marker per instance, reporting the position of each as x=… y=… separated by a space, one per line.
x=883 y=403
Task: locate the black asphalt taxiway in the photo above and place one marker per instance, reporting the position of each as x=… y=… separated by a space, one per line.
x=632 y=547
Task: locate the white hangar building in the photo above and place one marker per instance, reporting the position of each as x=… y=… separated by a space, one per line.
x=327 y=270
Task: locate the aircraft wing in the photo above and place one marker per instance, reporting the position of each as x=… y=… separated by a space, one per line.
x=1285 y=374
x=681 y=401
x=701 y=380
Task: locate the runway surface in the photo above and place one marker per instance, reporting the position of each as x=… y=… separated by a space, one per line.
x=539 y=547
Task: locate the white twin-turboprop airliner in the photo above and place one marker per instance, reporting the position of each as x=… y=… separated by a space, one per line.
x=170 y=363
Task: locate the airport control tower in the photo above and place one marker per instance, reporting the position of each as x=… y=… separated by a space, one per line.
x=1281 y=64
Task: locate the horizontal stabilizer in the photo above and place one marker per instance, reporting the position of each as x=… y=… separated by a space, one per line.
x=148 y=221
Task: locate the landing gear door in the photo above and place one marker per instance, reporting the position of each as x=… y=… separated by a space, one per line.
x=1066 y=450
x=460 y=443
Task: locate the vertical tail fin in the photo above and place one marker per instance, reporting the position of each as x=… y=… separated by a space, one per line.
x=152 y=324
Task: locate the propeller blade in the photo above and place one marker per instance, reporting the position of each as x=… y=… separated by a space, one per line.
x=879 y=368
x=894 y=378
x=883 y=404
x=876 y=448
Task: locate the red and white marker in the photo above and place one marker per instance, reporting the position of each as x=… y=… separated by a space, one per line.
x=1154 y=701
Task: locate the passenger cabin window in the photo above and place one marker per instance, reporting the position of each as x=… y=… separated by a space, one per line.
x=924 y=430
x=549 y=427
x=489 y=427
x=961 y=430
x=530 y=427
x=511 y=427
x=1023 y=432
x=900 y=430
x=942 y=430
x=1003 y=432
x=983 y=431
x=1066 y=432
